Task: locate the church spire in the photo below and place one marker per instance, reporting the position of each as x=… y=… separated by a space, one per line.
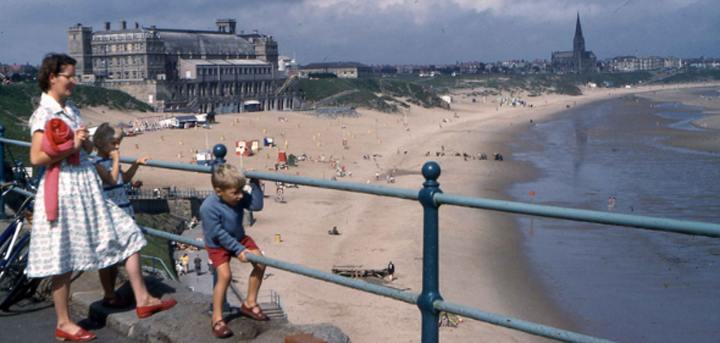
x=578 y=28
x=578 y=41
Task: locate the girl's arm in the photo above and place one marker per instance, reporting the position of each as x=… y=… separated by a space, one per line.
x=39 y=158
x=110 y=177
x=130 y=173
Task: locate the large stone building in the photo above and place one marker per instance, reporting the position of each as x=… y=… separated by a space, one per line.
x=578 y=60
x=190 y=70
x=343 y=70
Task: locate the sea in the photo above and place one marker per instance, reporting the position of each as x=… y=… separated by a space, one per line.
x=617 y=283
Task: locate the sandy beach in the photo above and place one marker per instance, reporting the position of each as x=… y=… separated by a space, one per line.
x=482 y=264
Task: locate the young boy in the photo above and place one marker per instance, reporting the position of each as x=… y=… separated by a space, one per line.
x=222 y=216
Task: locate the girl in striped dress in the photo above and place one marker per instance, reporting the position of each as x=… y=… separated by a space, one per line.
x=107 y=140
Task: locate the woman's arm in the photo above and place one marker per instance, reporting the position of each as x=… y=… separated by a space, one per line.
x=38 y=157
x=88 y=146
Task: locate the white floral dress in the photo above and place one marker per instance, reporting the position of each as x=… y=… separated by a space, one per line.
x=117 y=192
x=91 y=231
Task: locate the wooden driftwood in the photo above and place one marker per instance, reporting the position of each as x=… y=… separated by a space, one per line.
x=358 y=271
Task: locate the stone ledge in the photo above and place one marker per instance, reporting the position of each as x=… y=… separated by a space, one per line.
x=189 y=320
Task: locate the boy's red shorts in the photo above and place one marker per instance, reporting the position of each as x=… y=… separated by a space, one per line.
x=219 y=256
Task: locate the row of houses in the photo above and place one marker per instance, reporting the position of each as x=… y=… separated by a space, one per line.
x=634 y=63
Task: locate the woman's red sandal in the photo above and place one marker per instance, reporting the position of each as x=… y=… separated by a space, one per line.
x=147 y=311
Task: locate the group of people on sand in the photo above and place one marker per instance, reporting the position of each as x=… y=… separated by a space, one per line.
x=83 y=219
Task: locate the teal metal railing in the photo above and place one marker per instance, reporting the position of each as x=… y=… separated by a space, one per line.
x=429 y=301
x=167 y=273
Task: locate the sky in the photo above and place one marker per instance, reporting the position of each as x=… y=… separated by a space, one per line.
x=390 y=31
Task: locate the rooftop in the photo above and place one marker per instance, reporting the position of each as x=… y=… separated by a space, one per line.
x=322 y=65
x=233 y=62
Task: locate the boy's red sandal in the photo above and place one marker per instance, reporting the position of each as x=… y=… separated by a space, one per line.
x=80 y=336
x=147 y=311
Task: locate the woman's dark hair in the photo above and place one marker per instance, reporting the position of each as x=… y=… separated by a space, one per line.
x=52 y=64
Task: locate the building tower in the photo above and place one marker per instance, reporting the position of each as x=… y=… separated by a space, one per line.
x=79 y=48
x=578 y=46
x=226 y=25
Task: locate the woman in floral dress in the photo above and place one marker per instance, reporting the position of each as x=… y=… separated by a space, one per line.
x=90 y=232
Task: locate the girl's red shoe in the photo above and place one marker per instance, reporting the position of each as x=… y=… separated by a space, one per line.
x=147 y=311
x=80 y=336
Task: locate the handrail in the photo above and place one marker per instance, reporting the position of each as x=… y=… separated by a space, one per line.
x=163 y=264
x=431 y=197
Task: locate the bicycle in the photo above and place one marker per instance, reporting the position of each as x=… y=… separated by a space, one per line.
x=14 y=247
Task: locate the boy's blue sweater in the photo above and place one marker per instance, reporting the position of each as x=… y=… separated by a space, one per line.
x=223 y=224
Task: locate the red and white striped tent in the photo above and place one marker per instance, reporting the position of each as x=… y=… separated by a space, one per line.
x=242 y=148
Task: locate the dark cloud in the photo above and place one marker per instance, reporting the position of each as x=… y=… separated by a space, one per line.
x=394 y=32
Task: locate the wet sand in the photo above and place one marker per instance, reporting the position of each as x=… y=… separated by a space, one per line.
x=707 y=101
x=618 y=283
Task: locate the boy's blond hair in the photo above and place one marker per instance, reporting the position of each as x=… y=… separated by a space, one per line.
x=105 y=132
x=227 y=176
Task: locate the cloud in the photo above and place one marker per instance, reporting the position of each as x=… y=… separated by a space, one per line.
x=392 y=31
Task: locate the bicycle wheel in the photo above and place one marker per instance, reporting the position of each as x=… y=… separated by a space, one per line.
x=15 y=283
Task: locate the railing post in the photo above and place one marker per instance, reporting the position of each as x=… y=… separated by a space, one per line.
x=219 y=150
x=2 y=171
x=430 y=290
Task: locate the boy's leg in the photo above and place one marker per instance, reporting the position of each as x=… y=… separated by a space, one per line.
x=255 y=281
x=223 y=282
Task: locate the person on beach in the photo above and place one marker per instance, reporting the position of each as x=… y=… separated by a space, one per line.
x=198 y=265
x=222 y=221
x=184 y=260
x=76 y=227
x=107 y=140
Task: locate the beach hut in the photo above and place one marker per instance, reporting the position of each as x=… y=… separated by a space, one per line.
x=254 y=146
x=203 y=158
x=242 y=148
x=252 y=106
x=269 y=141
x=186 y=121
x=282 y=157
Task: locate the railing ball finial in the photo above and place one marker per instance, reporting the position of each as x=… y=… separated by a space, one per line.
x=2 y=128
x=219 y=150
x=431 y=171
